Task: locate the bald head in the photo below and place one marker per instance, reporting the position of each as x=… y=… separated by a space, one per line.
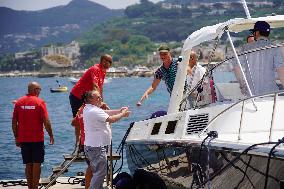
x=34 y=88
x=192 y=59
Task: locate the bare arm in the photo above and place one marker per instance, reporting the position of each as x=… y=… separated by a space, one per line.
x=48 y=128
x=117 y=117
x=280 y=72
x=113 y=112
x=15 y=130
x=150 y=90
x=75 y=124
x=96 y=87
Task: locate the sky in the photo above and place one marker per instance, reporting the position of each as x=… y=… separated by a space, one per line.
x=44 y=4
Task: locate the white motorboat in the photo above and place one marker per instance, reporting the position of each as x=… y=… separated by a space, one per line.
x=73 y=80
x=233 y=140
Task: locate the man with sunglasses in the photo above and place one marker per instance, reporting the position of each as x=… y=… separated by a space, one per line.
x=29 y=117
x=92 y=79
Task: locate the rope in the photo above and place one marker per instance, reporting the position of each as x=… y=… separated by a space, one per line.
x=13 y=183
x=269 y=158
x=247 y=166
x=121 y=148
x=231 y=162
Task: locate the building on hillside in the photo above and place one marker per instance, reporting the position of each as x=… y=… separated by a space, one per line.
x=171 y=6
x=154 y=59
x=71 y=51
x=61 y=56
x=262 y=3
x=26 y=55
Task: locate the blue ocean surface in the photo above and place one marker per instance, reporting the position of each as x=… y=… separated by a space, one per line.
x=117 y=93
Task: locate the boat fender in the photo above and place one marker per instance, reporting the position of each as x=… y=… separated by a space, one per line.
x=158 y=114
x=148 y=180
x=123 y=181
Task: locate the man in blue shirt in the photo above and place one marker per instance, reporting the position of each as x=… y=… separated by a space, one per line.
x=167 y=72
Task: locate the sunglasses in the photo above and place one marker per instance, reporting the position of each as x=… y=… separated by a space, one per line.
x=109 y=61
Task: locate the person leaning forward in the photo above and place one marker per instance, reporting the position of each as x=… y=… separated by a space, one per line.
x=98 y=135
x=29 y=117
x=167 y=72
x=92 y=79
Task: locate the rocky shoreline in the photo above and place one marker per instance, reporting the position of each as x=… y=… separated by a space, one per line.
x=76 y=74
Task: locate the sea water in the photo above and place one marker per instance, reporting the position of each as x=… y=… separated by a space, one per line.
x=117 y=93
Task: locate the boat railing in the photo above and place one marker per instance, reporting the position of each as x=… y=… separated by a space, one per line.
x=275 y=96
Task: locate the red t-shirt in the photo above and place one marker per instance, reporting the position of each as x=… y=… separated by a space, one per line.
x=79 y=120
x=30 y=112
x=94 y=74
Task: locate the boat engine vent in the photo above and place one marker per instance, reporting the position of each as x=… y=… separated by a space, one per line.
x=197 y=123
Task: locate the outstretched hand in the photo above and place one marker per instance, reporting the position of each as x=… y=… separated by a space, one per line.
x=125 y=112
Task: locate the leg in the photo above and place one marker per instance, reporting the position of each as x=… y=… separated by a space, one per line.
x=29 y=175
x=88 y=173
x=98 y=163
x=36 y=175
x=26 y=151
x=75 y=104
x=37 y=160
x=88 y=177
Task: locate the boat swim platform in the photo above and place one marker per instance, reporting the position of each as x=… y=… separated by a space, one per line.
x=73 y=182
x=61 y=183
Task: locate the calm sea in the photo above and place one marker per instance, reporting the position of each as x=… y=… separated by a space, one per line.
x=118 y=92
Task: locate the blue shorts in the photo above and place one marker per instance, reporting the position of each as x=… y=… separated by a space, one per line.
x=32 y=152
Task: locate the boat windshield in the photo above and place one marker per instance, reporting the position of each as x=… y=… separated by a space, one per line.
x=224 y=81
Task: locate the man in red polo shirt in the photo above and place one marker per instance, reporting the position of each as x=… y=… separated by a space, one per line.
x=29 y=117
x=92 y=79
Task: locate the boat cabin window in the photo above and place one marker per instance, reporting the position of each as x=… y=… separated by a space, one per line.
x=156 y=128
x=171 y=127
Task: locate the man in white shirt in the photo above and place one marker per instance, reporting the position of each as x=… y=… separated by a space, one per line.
x=195 y=73
x=98 y=135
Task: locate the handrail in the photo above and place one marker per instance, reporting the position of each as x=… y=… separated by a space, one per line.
x=233 y=105
x=241 y=121
x=272 y=116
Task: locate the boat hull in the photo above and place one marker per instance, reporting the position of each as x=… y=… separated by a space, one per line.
x=59 y=90
x=181 y=165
